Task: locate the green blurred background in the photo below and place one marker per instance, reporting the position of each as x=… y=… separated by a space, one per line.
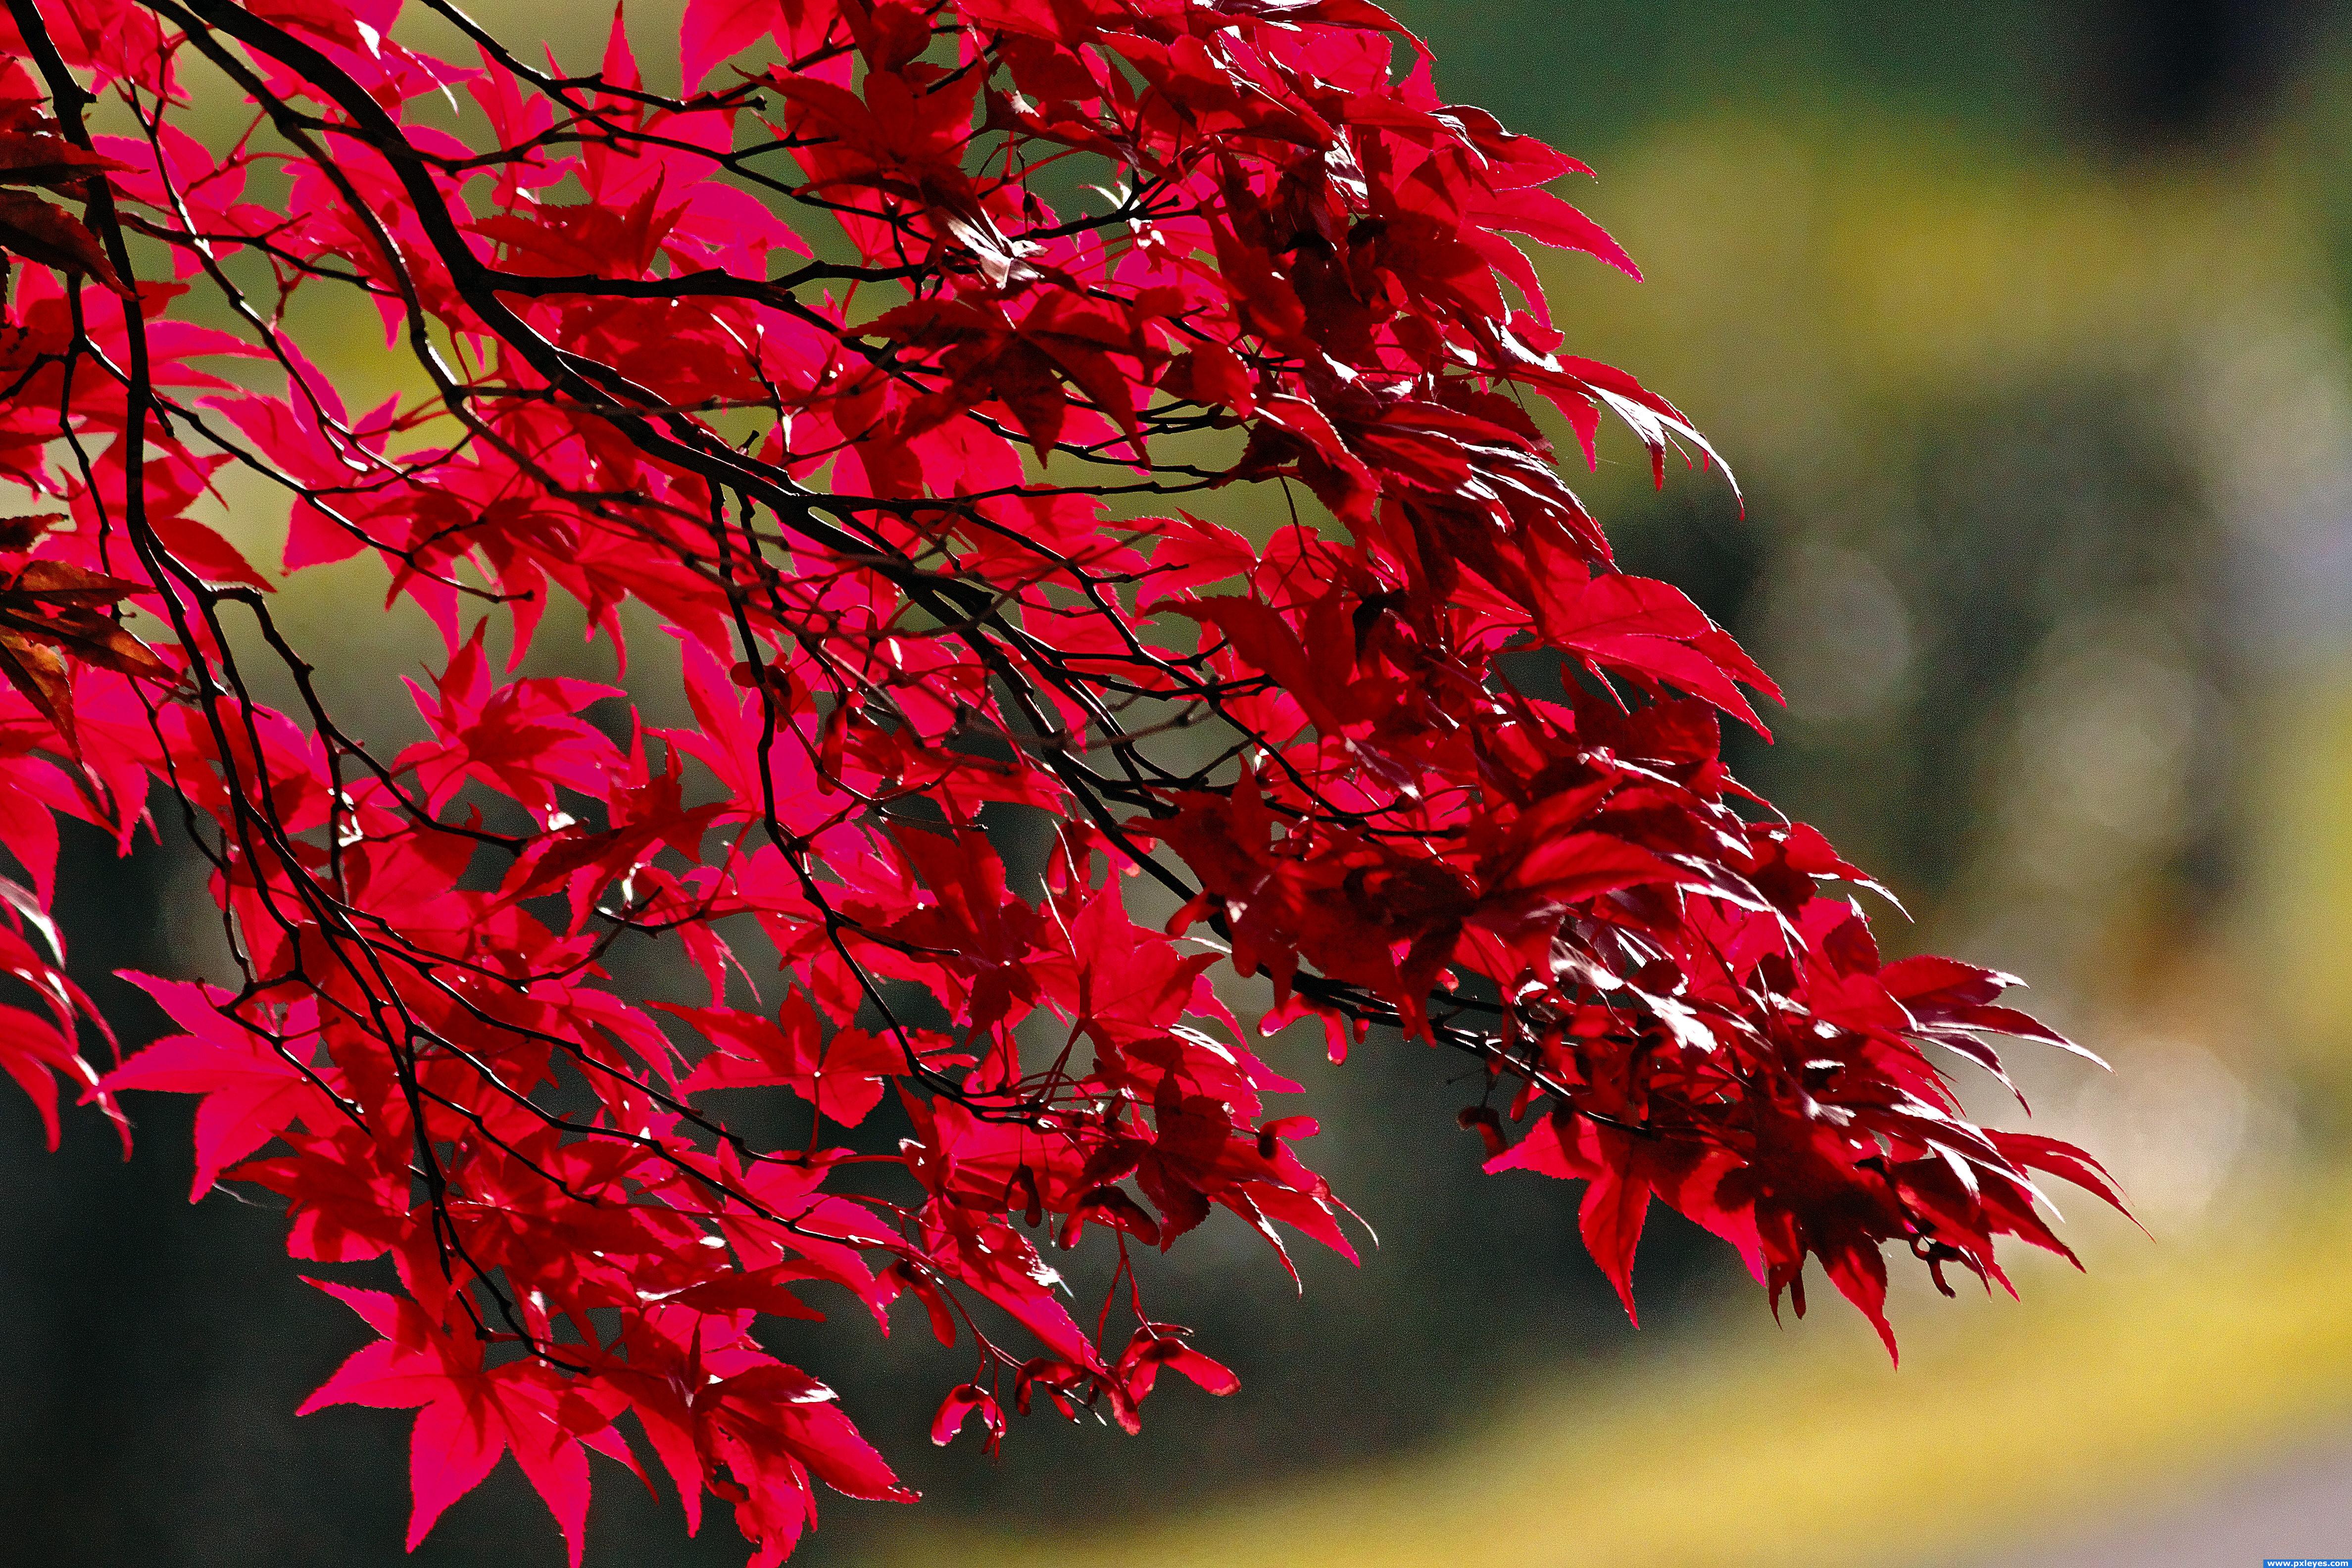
x=2024 y=326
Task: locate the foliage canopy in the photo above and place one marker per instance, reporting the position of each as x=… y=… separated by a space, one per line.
x=896 y=366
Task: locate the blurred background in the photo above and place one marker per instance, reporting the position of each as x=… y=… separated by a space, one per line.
x=2024 y=324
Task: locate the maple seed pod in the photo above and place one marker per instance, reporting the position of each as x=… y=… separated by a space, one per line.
x=1481 y=1119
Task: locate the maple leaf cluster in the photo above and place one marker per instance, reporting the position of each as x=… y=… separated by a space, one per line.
x=897 y=364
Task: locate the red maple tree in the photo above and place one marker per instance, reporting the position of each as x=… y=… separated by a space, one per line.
x=897 y=365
